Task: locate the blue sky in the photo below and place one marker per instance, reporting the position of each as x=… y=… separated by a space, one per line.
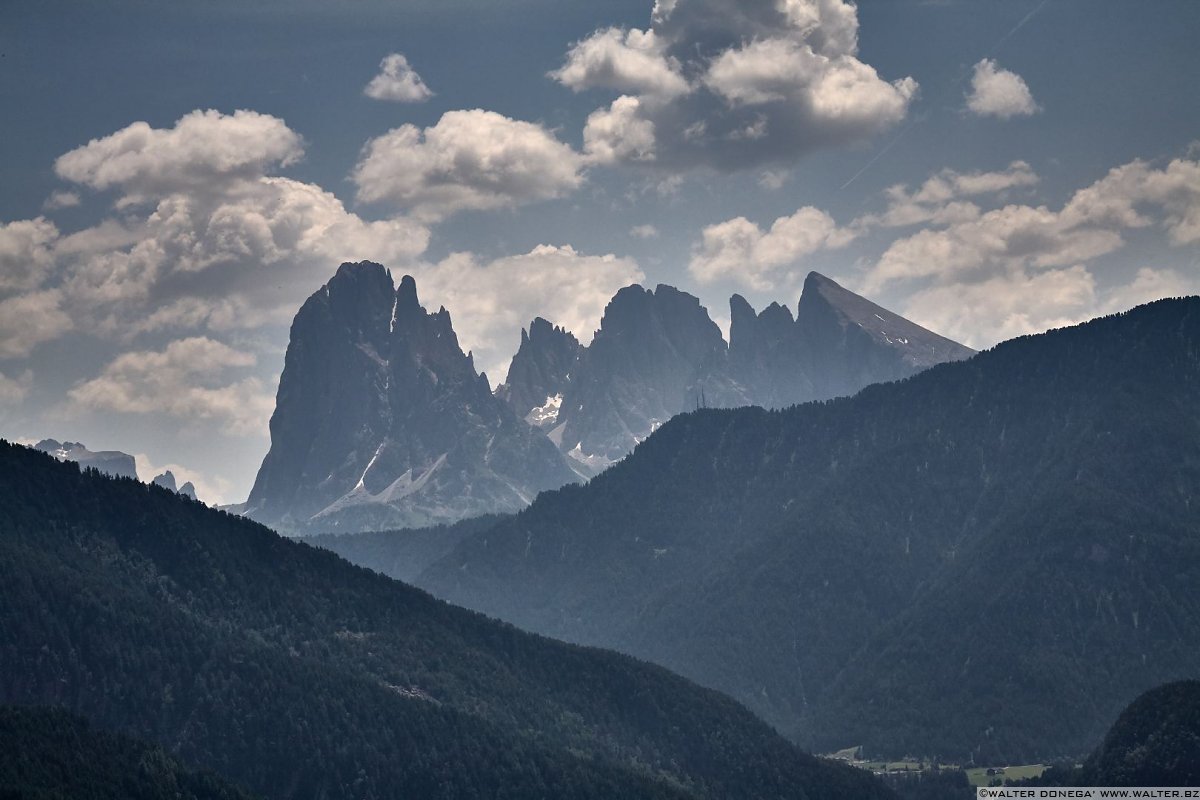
x=177 y=177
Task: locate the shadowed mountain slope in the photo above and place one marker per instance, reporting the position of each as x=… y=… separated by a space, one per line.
x=298 y=675
x=987 y=559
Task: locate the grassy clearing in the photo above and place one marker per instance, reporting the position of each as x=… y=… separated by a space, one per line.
x=978 y=775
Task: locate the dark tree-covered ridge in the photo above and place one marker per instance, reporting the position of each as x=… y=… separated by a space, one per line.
x=1155 y=741
x=48 y=754
x=298 y=675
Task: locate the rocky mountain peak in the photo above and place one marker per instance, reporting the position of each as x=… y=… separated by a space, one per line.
x=540 y=372
x=356 y=286
x=166 y=480
x=831 y=316
x=641 y=369
x=382 y=420
x=751 y=330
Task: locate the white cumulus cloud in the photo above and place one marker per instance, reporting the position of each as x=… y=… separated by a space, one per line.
x=214 y=243
x=998 y=92
x=733 y=84
x=1017 y=302
x=1090 y=224
x=942 y=198
x=618 y=133
x=626 y=61
x=1005 y=305
x=740 y=251
x=398 y=82
x=203 y=148
x=469 y=160
x=1017 y=269
x=191 y=379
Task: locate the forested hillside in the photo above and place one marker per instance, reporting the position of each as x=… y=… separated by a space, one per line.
x=295 y=674
x=48 y=754
x=1155 y=741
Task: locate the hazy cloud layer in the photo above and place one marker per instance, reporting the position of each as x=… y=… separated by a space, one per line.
x=733 y=83
x=27 y=320
x=997 y=92
x=13 y=389
x=946 y=197
x=1135 y=195
x=191 y=380
x=397 y=82
x=469 y=160
x=1018 y=302
x=980 y=267
x=60 y=200
x=1020 y=269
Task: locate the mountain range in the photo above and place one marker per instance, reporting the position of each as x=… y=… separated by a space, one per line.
x=982 y=562
x=658 y=353
x=110 y=462
x=382 y=421
x=294 y=674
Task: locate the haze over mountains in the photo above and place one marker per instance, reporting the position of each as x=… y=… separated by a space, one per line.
x=382 y=421
x=984 y=561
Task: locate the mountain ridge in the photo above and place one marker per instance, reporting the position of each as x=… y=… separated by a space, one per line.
x=658 y=353
x=296 y=674
x=803 y=560
x=381 y=421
